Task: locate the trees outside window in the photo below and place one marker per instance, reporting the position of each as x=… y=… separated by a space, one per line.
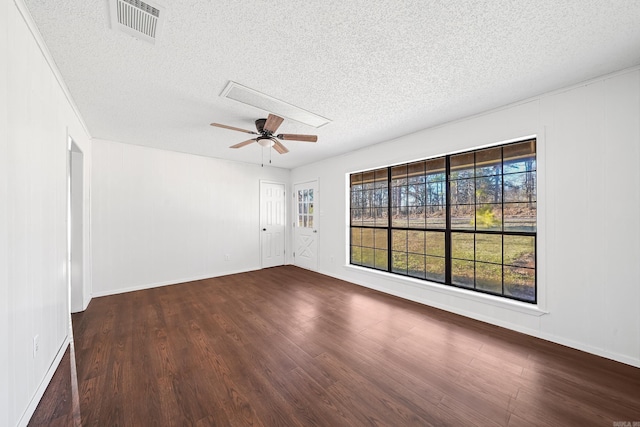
x=466 y=220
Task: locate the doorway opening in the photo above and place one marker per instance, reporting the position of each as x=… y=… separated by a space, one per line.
x=76 y=228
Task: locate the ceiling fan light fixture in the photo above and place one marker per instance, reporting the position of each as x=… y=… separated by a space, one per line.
x=267 y=138
x=266 y=142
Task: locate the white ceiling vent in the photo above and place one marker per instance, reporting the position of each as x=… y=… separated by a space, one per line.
x=252 y=97
x=140 y=19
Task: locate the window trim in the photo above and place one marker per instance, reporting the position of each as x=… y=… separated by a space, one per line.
x=420 y=284
x=536 y=306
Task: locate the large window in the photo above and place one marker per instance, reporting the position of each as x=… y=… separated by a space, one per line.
x=465 y=220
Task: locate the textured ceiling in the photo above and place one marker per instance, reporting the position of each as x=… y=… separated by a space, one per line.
x=379 y=69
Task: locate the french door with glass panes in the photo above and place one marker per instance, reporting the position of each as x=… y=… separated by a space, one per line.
x=306 y=225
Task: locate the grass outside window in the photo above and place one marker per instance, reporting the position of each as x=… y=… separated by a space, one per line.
x=465 y=220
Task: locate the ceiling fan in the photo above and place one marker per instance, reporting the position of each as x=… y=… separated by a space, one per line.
x=266 y=131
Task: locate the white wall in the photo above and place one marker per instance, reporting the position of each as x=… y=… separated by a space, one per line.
x=36 y=118
x=588 y=214
x=4 y=224
x=162 y=217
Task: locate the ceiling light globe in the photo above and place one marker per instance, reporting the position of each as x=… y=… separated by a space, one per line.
x=266 y=142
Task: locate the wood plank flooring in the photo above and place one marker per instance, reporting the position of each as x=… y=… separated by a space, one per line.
x=59 y=405
x=289 y=347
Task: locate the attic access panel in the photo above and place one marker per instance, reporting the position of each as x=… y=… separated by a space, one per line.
x=257 y=99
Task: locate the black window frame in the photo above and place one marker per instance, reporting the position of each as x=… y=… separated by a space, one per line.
x=384 y=221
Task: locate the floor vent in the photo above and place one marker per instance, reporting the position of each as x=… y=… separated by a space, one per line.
x=142 y=20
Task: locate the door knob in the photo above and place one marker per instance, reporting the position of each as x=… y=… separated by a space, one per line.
x=315 y=231
x=264 y=229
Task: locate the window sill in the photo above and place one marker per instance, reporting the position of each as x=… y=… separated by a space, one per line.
x=521 y=307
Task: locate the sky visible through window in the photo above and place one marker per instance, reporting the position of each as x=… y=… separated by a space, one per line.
x=467 y=220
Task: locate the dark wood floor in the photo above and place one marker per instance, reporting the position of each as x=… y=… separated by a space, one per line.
x=288 y=347
x=59 y=406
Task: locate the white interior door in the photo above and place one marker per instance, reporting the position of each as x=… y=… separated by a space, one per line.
x=272 y=223
x=305 y=232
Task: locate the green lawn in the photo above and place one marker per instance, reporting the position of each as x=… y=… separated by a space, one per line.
x=478 y=260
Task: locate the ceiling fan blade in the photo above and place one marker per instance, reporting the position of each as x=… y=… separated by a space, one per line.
x=296 y=137
x=242 y=144
x=233 y=128
x=277 y=145
x=273 y=123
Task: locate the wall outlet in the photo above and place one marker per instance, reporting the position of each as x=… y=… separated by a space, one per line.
x=36 y=345
x=227 y=257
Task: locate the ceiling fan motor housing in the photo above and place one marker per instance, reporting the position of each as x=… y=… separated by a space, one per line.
x=260 y=125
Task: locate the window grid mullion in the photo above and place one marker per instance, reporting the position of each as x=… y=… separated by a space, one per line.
x=447 y=228
x=389 y=219
x=475 y=220
x=515 y=230
x=502 y=208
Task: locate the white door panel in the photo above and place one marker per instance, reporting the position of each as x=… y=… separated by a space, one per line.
x=272 y=224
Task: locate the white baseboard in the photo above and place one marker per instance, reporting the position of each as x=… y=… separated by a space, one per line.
x=35 y=400
x=167 y=283
x=512 y=326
